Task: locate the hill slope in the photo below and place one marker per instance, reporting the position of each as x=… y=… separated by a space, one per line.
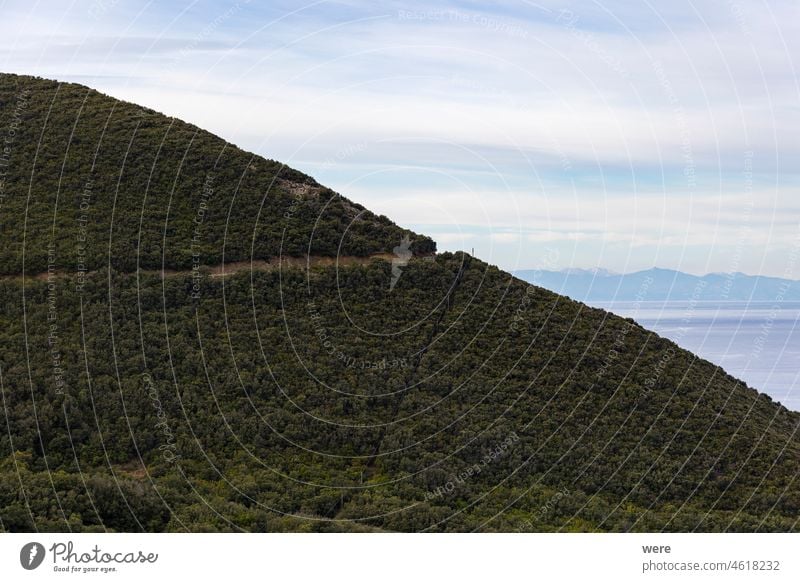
x=430 y=393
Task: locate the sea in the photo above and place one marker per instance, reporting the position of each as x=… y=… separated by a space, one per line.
x=758 y=342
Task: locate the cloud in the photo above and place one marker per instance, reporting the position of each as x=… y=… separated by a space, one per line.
x=623 y=125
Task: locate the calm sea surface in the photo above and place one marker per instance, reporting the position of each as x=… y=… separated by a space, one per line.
x=757 y=342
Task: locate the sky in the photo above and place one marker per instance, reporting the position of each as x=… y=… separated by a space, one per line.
x=621 y=135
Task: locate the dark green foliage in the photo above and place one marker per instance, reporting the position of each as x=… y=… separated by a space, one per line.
x=322 y=399
x=104 y=181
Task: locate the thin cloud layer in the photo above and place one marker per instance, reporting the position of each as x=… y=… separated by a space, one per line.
x=622 y=134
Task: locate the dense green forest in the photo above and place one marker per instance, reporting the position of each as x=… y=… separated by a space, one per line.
x=141 y=391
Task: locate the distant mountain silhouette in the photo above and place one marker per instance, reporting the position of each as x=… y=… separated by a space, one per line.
x=662 y=285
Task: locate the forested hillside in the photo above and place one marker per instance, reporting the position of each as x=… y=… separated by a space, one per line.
x=92 y=181
x=377 y=390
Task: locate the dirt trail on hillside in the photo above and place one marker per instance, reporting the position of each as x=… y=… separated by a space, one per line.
x=232 y=268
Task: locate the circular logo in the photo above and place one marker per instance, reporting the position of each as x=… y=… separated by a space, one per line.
x=31 y=555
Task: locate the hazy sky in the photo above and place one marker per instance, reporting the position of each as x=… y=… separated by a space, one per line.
x=619 y=134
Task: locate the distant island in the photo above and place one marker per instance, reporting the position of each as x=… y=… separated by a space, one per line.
x=599 y=285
